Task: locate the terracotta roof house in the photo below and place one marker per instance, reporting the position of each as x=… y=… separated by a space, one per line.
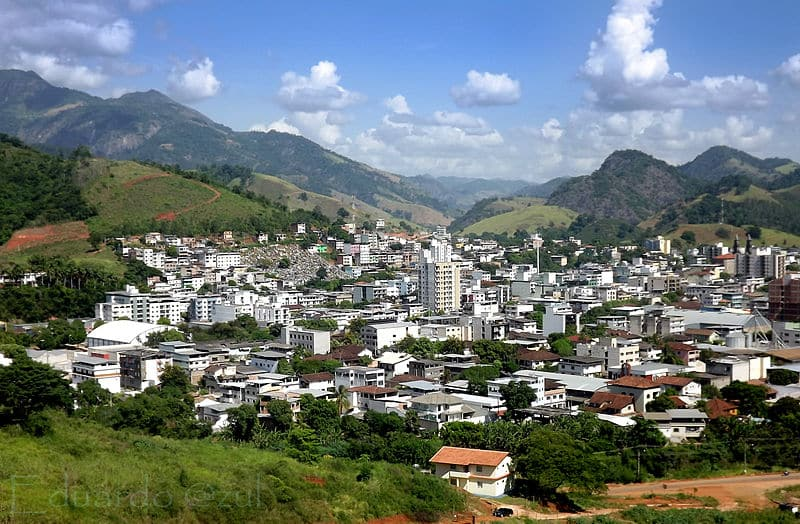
x=610 y=404
x=480 y=472
x=717 y=408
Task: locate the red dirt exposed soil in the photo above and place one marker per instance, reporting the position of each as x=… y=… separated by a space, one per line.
x=315 y=480
x=36 y=236
x=144 y=178
x=169 y=216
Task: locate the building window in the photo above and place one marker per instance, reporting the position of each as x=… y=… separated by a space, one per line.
x=480 y=485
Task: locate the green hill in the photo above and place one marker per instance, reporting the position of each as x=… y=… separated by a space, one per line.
x=36 y=188
x=527 y=214
x=154 y=127
x=83 y=472
x=720 y=162
x=630 y=186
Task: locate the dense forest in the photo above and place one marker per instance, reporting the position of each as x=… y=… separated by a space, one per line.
x=36 y=188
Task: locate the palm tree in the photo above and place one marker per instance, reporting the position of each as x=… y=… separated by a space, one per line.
x=342 y=400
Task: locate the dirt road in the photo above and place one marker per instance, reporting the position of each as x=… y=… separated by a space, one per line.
x=740 y=492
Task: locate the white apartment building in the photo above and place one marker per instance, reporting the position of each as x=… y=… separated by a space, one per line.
x=103 y=371
x=356 y=376
x=379 y=336
x=318 y=342
x=141 y=307
x=614 y=351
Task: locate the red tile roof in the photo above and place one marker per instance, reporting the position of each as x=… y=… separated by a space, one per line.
x=603 y=401
x=680 y=382
x=536 y=355
x=372 y=390
x=317 y=377
x=467 y=456
x=634 y=382
x=716 y=408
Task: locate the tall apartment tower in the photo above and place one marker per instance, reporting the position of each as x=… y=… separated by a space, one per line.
x=439 y=278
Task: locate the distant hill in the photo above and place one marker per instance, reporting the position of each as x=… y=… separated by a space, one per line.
x=463 y=192
x=543 y=190
x=154 y=127
x=720 y=162
x=527 y=214
x=629 y=186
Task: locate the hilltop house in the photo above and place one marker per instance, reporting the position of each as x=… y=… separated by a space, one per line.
x=480 y=472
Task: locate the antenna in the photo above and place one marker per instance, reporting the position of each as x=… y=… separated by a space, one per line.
x=722 y=212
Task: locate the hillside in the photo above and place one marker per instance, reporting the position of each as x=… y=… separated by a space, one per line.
x=719 y=162
x=83 y=472
x=713 y=233
x=630 y=186
x=527 y=214
x=133 y=198
x=36 y=188
x=543 y=190
x=152 y=126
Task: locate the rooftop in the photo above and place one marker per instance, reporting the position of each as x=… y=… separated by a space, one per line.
x=467 y=456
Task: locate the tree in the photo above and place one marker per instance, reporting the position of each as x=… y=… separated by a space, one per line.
x=342 y=399
x=782 y=377
x=284 y=367
x=710 y=391
x=280 y=414
x=90 y=394
x=549 y=460
x=242 y=422
x=28 y=387
x=689 y=236
x=662 y=402
x=750 y=399
x=562 y=347
x=517 y=396
x=321 y=416
x=175 y=380
x=477 y=378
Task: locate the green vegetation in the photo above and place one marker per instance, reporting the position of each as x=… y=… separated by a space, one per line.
x=82 y=472
x=36 y=188
x=530 y=217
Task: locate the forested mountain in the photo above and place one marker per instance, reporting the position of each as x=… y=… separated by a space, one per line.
x=463 y=192
x=720 y=162
x=151 y=126
x=36 y=188
x=543 y=190
x=630 y=186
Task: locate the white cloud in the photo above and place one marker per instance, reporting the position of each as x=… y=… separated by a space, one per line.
x=69 y=42
x=279 y=125
x=486 y=89
x=625 y=73
x=552 y=130
x=320 y=91
x=790 y=70
x=193 y=80
x=397 y=104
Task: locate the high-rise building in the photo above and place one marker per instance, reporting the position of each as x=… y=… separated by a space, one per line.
x=439 y=278
x=784 y=298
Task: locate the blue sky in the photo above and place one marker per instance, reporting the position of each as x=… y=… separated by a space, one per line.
x=522 y=89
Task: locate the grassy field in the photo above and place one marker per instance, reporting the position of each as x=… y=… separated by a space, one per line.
x=707 y=234
x=86 y=473
x=528 y=216
x=130 y=196
x=752 y=193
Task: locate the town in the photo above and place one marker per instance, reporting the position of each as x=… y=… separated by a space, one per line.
x=443 y=327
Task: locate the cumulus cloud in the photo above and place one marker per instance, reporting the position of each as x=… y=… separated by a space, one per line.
x=193 y=80
x=279 y=125
x=486 y=89
x=790 y=70
x=625 y=73
x=552 y=130
x=319 y=91
x=397 y=104
x=69 y=42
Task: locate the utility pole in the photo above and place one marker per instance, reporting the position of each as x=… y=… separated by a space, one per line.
x=638 y=465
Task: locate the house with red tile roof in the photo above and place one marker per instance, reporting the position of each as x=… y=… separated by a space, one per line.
x=643 y=390
x=685 y=386
x=610 y=404
x=477 y=471
x=717 y=408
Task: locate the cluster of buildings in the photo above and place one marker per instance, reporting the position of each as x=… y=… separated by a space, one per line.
x=712 y=332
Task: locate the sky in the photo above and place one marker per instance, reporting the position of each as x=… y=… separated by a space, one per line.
x=517 y=89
